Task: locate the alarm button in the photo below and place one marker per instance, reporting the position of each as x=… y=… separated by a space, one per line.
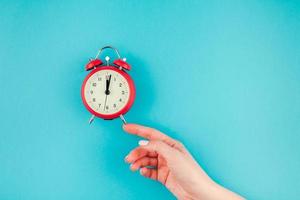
x=92 y=64
x=122 y=63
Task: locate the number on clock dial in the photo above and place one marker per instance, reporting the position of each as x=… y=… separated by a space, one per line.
x=99 y=100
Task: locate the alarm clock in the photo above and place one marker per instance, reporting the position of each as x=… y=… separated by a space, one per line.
x=108 y=91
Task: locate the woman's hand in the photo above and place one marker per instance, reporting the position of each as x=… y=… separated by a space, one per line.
x=166 y=160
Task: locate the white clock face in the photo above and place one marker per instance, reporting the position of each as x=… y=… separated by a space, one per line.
x=106 y=92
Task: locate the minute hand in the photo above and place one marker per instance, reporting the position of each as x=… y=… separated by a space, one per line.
x=107 y=92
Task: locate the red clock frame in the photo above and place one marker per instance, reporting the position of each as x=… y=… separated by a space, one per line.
x=128 y=105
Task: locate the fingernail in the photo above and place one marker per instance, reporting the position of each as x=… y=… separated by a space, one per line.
x=126 y=159
x=131 y=167
x=142 y=171
x=143 y=142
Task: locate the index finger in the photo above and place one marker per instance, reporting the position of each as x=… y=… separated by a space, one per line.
x=148 y=133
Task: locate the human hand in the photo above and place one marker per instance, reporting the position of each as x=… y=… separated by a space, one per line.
x=166 y=160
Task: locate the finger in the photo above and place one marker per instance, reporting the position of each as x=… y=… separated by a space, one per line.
x=149 y=173
x=152 y=148
x=148 y=133
x=143 y=162
x=160 y=148
x=138 y=153
x=157 y=147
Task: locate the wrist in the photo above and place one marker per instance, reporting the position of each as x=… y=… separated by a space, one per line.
x=205 y=190
x=214 y=191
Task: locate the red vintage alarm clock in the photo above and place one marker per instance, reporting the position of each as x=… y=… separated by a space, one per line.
x=108 y=91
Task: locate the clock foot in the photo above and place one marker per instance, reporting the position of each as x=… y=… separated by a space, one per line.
x=92 y=119
x=123 y=119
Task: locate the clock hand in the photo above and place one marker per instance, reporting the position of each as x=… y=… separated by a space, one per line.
x=106 y=86
x=109 y=82
x=107 y=92
x=105 y=102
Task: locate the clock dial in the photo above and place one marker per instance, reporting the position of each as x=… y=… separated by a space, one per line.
x=107 y=92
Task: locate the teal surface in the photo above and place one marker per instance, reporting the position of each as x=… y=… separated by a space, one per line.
x=223 y=77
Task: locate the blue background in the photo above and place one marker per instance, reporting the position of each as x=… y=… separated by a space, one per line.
x=224 y=78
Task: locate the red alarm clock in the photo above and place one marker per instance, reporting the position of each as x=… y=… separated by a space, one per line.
x=108 y=91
